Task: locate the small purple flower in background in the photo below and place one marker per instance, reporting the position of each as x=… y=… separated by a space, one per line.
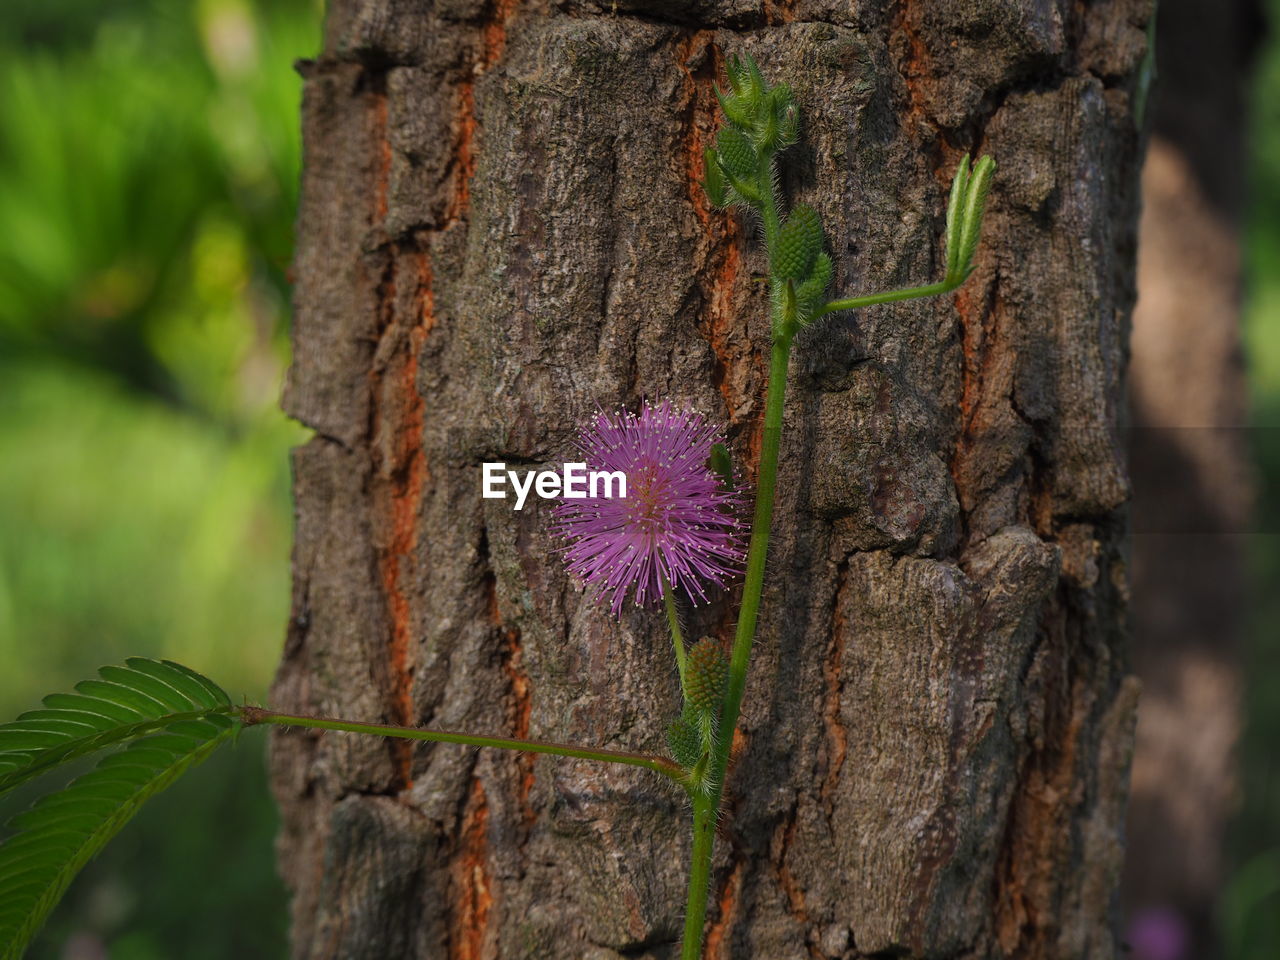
x=677 y=525
x=1159 y=933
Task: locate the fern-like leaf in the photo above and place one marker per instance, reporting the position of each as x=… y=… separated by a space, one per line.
x=127 y=702
x=63 y=831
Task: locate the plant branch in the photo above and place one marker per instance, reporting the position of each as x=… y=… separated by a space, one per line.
x=762 y=122
x=706 y=809
x=891 y=296
x=256 y=715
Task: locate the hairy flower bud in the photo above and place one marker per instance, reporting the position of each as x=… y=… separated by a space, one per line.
x=747 y=81
x=784 y=107
x=736 y=152
x=812 y=294
x=684 y=740
x=706 y=674
x=799 y=243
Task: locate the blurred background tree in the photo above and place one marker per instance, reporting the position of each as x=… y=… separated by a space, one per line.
x=1191 y=472
x=1249 y=912
x=149 y=155
x=148 y=165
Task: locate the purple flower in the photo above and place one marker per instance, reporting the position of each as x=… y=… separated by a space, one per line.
x=676 y=525
x=1159 y=933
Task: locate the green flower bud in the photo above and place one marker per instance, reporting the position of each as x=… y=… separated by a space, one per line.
x=766 y=130
x=782 y=106
x=959 y=188
x=706 y=674
x=812 y=294
x=737 y=74
x=746 y=81
x=684 y=741
x=975 y=205
x=736 y=152
x=788 y=125
x=798 y=246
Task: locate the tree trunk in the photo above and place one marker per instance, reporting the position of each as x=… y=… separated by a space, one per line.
x=500 y=232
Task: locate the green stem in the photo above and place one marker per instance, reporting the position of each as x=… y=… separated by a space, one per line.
x=254 y=715
x=706 y=808
x=673 y=620
x=891 y=296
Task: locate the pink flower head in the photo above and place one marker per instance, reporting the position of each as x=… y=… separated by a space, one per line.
x=677 y=524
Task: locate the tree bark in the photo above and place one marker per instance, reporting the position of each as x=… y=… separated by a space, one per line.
x=500 y=231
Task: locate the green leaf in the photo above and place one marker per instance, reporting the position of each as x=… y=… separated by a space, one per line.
x=140 y=698
x=767 y=130
x=790 y=305
x=65 y=830
x=746 y=81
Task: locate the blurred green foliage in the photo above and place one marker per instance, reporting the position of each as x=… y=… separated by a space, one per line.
x=1250 y=914
x=149 y=154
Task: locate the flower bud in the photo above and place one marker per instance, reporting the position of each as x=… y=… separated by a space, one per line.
x=706 y=674
x=684 y=741
x=812 y=294
x=975 y=205
x=766 y=130
x=799 y=243
x=736 y=152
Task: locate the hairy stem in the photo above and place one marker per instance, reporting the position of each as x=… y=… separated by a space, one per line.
x=964 y=221
x=706 y=808
x=255 y=715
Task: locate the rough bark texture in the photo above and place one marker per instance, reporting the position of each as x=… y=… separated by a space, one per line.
x=500 y=231
x=1190 y=467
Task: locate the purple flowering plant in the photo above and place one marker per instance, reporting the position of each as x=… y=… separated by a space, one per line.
x=679 y=532
x=677 y=528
